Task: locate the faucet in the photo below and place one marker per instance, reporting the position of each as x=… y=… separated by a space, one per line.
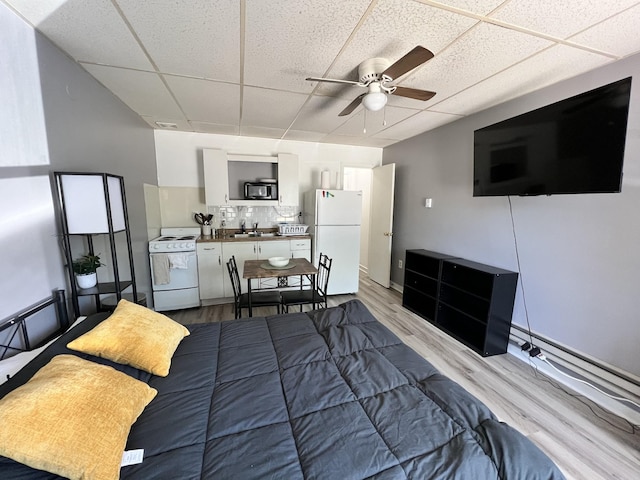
x=243 y=227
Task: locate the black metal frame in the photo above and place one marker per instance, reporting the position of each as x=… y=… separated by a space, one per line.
x=317 y=295
x=258 y=299
x=117 y=286
x=19 y=323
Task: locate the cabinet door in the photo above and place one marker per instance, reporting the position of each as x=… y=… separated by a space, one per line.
x=216 y=177
x=301 y=248
x=210 y=270
x=288 y=181
x=242 y=251
x=273 y=248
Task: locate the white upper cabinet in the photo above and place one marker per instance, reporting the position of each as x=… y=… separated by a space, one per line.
x=225 y=176
x=288 y=188
x=216 y=177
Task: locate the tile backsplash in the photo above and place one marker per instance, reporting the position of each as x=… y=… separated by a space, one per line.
x=178 y=205
x=265 y=216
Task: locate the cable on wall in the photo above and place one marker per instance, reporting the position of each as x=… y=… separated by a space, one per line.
x=534 y=352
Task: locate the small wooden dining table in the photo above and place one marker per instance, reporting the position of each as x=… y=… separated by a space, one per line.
x=254 y=269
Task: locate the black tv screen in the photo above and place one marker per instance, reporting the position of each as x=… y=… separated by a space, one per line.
x=572 y=146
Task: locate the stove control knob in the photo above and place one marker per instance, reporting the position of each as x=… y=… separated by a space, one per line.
x=170 y=245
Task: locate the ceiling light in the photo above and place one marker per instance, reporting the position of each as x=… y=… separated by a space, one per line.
x=374 y=101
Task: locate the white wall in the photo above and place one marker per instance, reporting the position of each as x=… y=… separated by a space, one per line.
x=579 y=254
x=58 y=118
x=179 y=156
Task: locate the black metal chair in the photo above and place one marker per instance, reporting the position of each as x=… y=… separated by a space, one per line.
x=307 y=296
x=241 y=300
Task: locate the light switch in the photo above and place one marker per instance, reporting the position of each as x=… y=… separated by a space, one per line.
x=428 y=202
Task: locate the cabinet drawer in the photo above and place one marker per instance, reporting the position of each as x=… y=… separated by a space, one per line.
x=472 y=305
x=420 y=283
x=423 y=305
x=301 y=244
x=210 y=248
x=473 y=281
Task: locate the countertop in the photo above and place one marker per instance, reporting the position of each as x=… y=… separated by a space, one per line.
x=230 y=238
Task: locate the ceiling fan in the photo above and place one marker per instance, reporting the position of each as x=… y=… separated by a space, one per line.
x=376 y=74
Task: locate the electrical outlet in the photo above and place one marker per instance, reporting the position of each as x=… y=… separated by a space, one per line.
x=399 y=263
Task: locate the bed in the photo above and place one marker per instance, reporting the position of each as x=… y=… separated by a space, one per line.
x=325 y=394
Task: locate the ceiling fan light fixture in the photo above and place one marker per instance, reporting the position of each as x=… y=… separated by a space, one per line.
x=374 y=101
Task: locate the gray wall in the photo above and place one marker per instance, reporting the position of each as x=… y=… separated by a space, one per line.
x=87 y=129
x=579 y=254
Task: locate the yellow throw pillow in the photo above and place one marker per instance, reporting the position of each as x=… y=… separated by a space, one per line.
x=136 y=336
x=72 y=418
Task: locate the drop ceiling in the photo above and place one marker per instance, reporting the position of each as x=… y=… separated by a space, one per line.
x=238 y=67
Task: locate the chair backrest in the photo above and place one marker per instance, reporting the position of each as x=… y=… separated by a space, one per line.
x=324 y=269
x=235 y=278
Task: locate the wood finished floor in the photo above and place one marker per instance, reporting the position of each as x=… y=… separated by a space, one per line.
x=585 y=441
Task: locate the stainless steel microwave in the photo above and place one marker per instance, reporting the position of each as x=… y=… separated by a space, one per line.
x=260 y=191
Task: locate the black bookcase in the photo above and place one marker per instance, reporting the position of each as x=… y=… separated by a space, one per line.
x=470 y=301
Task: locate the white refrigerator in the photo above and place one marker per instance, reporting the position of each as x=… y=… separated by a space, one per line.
x=334 y=218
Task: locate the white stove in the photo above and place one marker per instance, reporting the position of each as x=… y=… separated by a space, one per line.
x=174 y=269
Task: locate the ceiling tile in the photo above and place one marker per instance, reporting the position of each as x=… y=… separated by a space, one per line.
x=143 y=92
x=262 y=132
x=88 y=31
x=289 y=40
x=270 y=108
x=484 y=51
x=204 y=127
x=199 y=37
x=357 y=141
x=394 y=28
x=304 y=136
x=320 y=114
x=618 y=35
x=419 y=123
x=205 y=100
x=545 y=68
x=560 y=19
x=480 y=7
x=374 y=121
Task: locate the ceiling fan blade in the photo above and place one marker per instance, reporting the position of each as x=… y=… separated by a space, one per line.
x=413 y=93
x=333 y=80
x=411 y=60
x=352 y=106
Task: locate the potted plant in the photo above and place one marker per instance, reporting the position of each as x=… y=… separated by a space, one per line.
x=85 y=269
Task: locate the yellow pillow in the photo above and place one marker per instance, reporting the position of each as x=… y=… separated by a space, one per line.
x=72 y=418
x=136 y=336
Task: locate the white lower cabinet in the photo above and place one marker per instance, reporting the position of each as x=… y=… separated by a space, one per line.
x=300 y=248
x=211 y=270
x=242 y=251
x=266 y=250
x=213 y=257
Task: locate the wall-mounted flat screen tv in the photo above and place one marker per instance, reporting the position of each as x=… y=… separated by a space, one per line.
x=572 y=146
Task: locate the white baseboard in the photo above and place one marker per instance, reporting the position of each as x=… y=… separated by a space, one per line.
x=602 y=377
x=397 y=287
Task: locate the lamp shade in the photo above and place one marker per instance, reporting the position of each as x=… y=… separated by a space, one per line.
x=87 y=199
x=374 y=101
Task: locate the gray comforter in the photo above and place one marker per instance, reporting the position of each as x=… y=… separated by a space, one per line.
x=329 y=394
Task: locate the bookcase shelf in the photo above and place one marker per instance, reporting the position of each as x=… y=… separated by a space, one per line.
x=470 y=301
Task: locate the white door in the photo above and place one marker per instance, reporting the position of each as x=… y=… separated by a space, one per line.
x=288 y=180
x=210 y=270
x=381 y=224
x=342 y=245
x=242 y=251
x=179 y=278
x=216 y=177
